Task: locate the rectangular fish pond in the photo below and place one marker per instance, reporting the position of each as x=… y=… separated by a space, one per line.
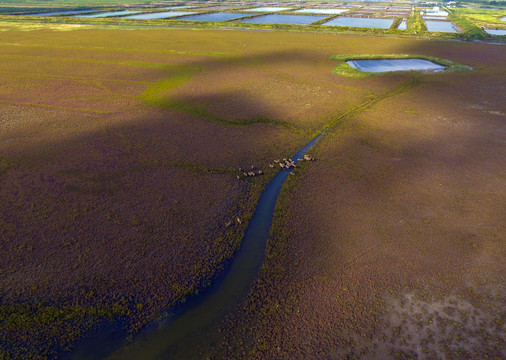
x=284 y=19
x=386 y=65
x=111 y=13
x=440 y=26
x=215 y=17
x=321 y=11
x=61 y=13
x=361 y=22
x=160 y=15
x=267 y=9
x=500 y=32
x=403 y=25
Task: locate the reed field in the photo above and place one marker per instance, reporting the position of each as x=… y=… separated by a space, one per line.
x=122 y=187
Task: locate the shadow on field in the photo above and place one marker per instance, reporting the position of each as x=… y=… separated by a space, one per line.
x=122 y=214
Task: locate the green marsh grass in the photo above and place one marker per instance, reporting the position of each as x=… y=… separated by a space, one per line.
x=483 y=16
x=160 y=95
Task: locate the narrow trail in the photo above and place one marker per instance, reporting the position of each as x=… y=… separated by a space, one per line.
x=408 y=85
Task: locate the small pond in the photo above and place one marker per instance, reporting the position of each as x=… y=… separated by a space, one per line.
x=440 y=26
x=160 y=15
x=429 y=17
x=503 y=18
x=111 y=13
x=386 y=65
x=403 y=25
x=215 y=17
x=61 y=13
x=267 y=9
x=361 y=22
x=321 y=11
x=501 y=32
x=284 y=19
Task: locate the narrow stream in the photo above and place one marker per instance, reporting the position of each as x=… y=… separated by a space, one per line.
x=195 y=329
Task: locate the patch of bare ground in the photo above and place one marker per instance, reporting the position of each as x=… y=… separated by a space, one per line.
x=391 y=244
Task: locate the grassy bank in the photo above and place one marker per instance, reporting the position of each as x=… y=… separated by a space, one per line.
x=346 y=70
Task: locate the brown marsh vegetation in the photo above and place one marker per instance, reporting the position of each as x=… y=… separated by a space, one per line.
x=119 y=152
x=392 y=244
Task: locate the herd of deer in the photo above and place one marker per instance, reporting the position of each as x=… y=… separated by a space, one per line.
x=287 y=164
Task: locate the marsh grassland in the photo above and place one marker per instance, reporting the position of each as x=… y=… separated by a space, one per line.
x=119 y=157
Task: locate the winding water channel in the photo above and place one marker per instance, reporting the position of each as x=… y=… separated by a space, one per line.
x=194 y=329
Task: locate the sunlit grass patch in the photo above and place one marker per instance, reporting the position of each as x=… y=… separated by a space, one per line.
x=483 y=16
x=33 y=26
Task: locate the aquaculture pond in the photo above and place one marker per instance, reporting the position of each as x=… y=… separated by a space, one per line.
x=111 y=13
x=403 y=25
x=361 y=22
x=501 y=32
x=160 y=15
x=321 y=11
x=284 y=19
x=440 y=26
x=215 y=17
x=267 y=9
x=61 y=13
x=434 y=18
x=386 y=65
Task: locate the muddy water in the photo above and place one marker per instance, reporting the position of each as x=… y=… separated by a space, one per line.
x=188 y=334
x=440 y=26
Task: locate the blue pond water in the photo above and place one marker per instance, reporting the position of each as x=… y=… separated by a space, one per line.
x=361 y=22
x=215 y=17
x=386 y=65
x=496 y=31
x=284 y=19
x=403 y=25
x=267 y=9
x=440 y=26
x=61 y=13
x=321 y=11
x=111 y=13
x=160 y=15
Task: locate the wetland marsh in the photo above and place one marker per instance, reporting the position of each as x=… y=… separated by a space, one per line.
x=124 y=161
